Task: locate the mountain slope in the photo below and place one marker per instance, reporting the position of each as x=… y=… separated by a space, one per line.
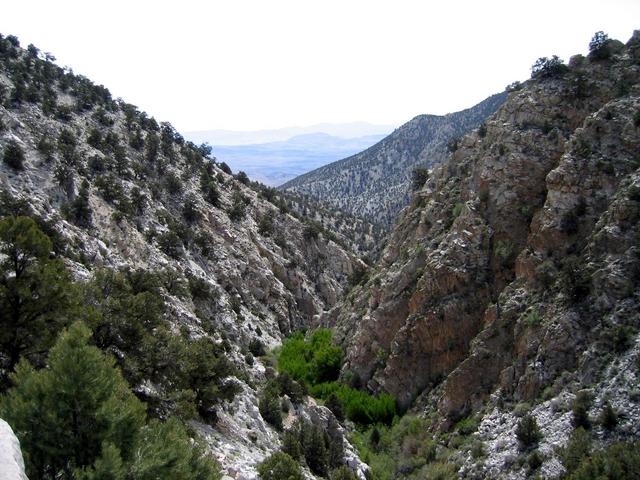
x=375 y=184
x=512 y=278
x=124 y=197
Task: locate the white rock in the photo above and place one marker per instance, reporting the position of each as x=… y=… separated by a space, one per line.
x=11 y=462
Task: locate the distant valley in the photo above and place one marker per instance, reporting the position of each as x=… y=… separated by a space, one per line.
x=276 y=156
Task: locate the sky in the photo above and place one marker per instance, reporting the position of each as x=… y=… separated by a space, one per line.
x=258 y=64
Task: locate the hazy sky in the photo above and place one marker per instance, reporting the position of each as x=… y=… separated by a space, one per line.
x=242 y=65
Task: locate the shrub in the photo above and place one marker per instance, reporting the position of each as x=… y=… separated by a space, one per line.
x=608 y=417
x=599 y=46
x=576 y=278
x=419 y=177
x=548 y=67
x=209 y=190
x=225 y=168
x=46 y=147
x=238 y=208
x=13 y=155
x=256 y=347
x=620 y=461
x=79 y=210
x=242 y=178
x=199 y=288
x=360 y=407
x=343 y=473
x=172 y=183
x=456 y=210
x=504 y=251
x=467 y=426
x=280 y=466
x=335 y=405
x=190 y=210
x=580 y=410
x=265 y=226
x=527 y=432
x=317 y=362
x=269 y=405
x=359 y=276
x=311 y=230
x=315 y=447
x=578 y=448
x=535 y=460
x=170 y=243
x=291 y=444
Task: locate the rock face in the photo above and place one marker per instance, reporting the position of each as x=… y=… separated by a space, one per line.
x=11 y=463
x=119 y=190
x=375 y=184
x=518 y=261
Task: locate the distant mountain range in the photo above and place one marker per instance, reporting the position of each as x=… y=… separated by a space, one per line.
x=340 y=130
x=277 y=162
x=375 y=183
x=276 y=156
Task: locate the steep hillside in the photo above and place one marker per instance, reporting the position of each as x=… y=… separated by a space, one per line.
x=359 y=235
x=513 y=275
x=375 y=184
x=126 y=199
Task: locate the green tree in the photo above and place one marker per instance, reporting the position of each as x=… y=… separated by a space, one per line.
x=621 y=461
x=14 y=155
x=37 y=294
x=269 y=405
x=291 y=444
x=418 y=178
x=577 y=449
x=78 y=419
x=343 y=473
x=79 y=210
x=608 y=417
x=242 y=178
x=548 y=67
x=315 y=447
x=527 y=432
x=64 y=413
x=580 y=410
x=599 y=46
x=165 y=451
x=280 y=466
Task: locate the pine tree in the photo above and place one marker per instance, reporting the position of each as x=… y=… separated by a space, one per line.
x=64 y=413
x=78 y=419
x=315 y=449
x=14 y=155
x=280 y=466
x=37 y=294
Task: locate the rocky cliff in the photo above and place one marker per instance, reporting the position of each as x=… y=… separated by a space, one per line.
x=375 y=184
x=513 y=274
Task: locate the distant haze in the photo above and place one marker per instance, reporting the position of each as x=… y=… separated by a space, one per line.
x=274 y=163
x=339 y=130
